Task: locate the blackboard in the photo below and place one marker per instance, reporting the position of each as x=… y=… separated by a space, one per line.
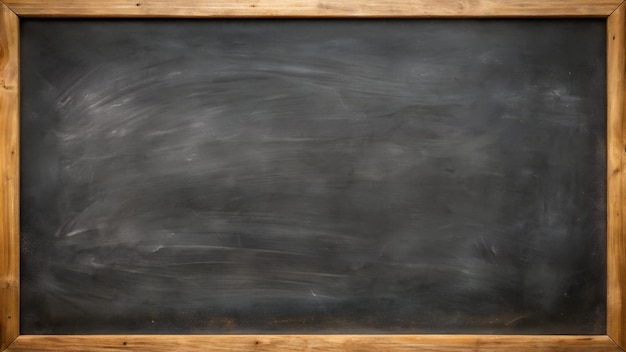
x=313 y=176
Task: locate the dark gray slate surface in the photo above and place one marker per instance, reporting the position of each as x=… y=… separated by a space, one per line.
x=354 y=176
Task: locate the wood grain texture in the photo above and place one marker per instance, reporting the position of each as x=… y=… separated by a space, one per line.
x=616 y=144
x=9 y=187
x=425 y=343
x=313 y=8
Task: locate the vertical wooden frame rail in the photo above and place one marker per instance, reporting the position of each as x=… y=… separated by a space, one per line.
x=9 y=177
x=616 y=181
x=10 y=12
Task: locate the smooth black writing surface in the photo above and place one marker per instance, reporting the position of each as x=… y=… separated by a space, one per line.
x=313 y=176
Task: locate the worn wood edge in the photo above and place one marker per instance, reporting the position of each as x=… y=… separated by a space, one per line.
x=616 y=176
x=313 y=8
x=9 y=179
x=400 y=343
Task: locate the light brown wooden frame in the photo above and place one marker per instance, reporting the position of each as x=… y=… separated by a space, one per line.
x=11 y=10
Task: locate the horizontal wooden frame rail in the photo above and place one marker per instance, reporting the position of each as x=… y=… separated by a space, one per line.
x=312 y=8
x=614 y=11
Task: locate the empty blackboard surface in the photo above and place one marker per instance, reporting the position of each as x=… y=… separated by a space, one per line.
x=322 y=176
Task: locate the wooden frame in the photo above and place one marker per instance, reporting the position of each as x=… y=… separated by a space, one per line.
x=11 y=10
